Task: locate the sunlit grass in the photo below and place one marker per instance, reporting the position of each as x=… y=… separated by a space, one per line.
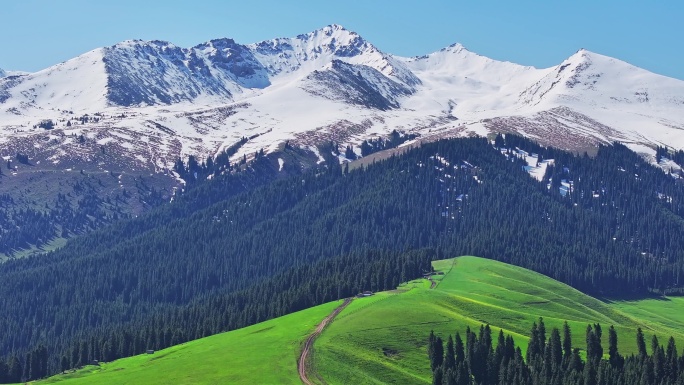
x=383 y=338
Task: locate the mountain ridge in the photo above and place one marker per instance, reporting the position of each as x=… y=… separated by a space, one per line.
x=326 y=85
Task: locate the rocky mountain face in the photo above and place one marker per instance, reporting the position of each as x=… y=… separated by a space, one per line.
x=135 y=108
x=203 y=99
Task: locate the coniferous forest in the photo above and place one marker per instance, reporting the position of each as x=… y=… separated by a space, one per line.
x=476 y=359
x=242 y=248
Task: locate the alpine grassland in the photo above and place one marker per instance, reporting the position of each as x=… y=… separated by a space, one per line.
x=264 y=353
x=383 y=338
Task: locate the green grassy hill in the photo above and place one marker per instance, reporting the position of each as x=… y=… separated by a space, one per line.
x=383 y=338
x=265 y=353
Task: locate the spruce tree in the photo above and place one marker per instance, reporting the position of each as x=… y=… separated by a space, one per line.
x=555 y=348
x=449 y=356
x=567 y=341
x=641 y=343
x=459 y=351
x=533 y=349
x=615 y=359
x=437 y=357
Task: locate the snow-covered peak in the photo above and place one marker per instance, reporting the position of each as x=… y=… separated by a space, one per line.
x=332 y=84
x=330 y=41
x=600 y=80
x=76 y=84
x=333 y=30
x=455 y=48
x=138 y=43
x=336 y=27
x=305 y=53
x=457 y=66
x=2 y=73
x=584 y=55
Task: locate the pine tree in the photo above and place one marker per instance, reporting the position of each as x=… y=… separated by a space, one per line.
x=449 y=356
x=615 y=359
x=437 y=356
x=499 y=141
x=64 y=364
x=459 y=352
x=641 y=343
x=567 y=340
x=470 y=346
x=500 y=352
x=658 y=357
x=555 y=348
x=541 y=335
x=594 y=348
x=671 y=357
x=533 y=349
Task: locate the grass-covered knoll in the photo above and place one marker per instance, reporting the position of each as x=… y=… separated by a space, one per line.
x=264 y=353
x=383 y=339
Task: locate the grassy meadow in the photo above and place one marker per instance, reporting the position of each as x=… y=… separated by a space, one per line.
x=264 y=353
x=383 y=338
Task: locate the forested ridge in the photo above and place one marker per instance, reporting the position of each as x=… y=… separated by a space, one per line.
x=238 y=250
x=476 y=359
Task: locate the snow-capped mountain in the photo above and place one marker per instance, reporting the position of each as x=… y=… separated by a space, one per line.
x=317 y=49
x=152 y=102
x=2 y=73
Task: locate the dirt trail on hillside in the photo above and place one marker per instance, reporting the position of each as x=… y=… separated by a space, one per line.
x=433 y=283
x=304 y=357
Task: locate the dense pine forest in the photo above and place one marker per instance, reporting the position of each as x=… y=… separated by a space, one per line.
x=242 y=248
x=478 y=360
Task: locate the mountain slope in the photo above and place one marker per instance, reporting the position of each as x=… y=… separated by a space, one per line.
x=76 y=84
x=607 y=225
x=382 y=338
x=357 y=85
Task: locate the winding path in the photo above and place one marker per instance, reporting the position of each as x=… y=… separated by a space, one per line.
x=304 y=357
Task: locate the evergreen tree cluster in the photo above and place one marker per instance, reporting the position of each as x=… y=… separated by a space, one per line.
x=395 y=139
x=550 y=361
x=21 y=158
x=676 y=156
x=193 y=171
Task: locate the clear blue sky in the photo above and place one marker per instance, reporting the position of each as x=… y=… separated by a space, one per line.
x=35 y=34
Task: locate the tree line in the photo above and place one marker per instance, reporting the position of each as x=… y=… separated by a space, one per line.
x=477 y=360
